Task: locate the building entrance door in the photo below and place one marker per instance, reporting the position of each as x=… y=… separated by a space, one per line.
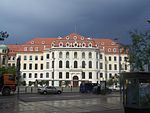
x=75 y=81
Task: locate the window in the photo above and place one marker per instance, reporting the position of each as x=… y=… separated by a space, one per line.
x=60 y=64
x=35 y=75
x=14 y=58
x=41 y=66
x=101 y=75
x=83 y=75
x=41 y=57
x=47 y=56
x=75 y=64
x=90 y=45
x=115 y=58
x=13 y=64
x=30 y=57
x=83 y=64
x=110 y=75
x=60 y=75
x=36 y=49
x=24 y=75
x=90 y=75
x=114 y=49
x=36 y=66
x=47 y=75
x=109 y=58
x=36 y=57
x=101 y=65
x=125 y=66
x=52 y=64
x=110 y=68
x=101 y=56
x=25 y=57
x=90 y=55
x=47 y=65
x=75 y=54
x=60 y=54
x=25 y=48
x=31 y=48
x=83 y=55
x=67 y=55
x=97 y=65
x=115 y=66
x=30 y=66
x=67 y=75
x=24 y=66
x=53 y=55
x=67 y=64
x=90 y=64
x=97 y=55
x=30 y=75
x=41 y=75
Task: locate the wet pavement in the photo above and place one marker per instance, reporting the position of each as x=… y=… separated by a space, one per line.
x=74 y=104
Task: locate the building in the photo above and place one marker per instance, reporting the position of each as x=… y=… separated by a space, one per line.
x=68 y=60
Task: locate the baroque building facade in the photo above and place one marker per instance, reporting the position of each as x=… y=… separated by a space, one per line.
x=68 y=60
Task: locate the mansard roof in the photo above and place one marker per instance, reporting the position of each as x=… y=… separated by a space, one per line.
x=73 y=40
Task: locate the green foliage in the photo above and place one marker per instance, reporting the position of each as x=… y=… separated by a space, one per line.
x=139 y=50
x=11 y=70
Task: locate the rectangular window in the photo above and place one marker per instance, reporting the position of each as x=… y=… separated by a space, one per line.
x=101 y=65
x=101 y=56
x=47 y=75
x=115 y=66
x=110 y=67
x=115 y=58
x=101 y=75
x=30 y=75
x=36 y=57
x=30 y=58
x=41 y=75
x=24 y=75
x=67 y=75
x=36 y=66
x=41 y=57
x=30 y=66
x=25 y=57
x=83 y=75
x=24 y=66
x=109 y=58
x=90 y=75
x=60 y=75
x=35 y=75
x=47 y=56
x=41 y=66
x=47 y=65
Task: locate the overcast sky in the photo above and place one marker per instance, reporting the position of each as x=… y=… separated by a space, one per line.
x=26 y=19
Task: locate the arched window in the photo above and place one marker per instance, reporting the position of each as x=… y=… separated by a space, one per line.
x=67 y=64
x=67 y=55
x=83 y=55
x=75 y=54
x=75 y=64
x=90 y=64
x=90 y=55
x=47 y=75
x=60 y=64
x=83 y=64
x=60 y=54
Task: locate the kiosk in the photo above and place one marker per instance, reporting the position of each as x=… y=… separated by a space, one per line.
x=136 y=92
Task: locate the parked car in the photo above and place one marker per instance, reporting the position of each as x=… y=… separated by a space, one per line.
x=49 y=89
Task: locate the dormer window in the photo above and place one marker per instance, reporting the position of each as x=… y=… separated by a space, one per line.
x=102 y=43
x=52 y=44
x=67 y=37
x=31 y=48
x=60 y=44
x=82 y=38
x=36 y=49
x=67 y=44
x=114 y=49
x=90 y=45
x=75 y=44
x=75 y=37
x=43 y=42
x=25 y=48
x=83 y=45
x=109 y=50
x=32 y=42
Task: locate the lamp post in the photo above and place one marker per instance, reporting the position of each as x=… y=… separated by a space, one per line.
x=119 y=62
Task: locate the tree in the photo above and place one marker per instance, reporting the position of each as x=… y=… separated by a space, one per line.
x=139 y=51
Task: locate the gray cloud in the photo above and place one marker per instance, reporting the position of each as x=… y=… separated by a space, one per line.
x=25 y=19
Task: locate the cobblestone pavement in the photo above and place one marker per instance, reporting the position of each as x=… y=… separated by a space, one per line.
x=101 y=104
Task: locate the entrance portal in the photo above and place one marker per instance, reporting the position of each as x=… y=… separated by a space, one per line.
x=75 y=81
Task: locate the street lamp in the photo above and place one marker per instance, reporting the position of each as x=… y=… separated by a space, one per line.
x=119 y=61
